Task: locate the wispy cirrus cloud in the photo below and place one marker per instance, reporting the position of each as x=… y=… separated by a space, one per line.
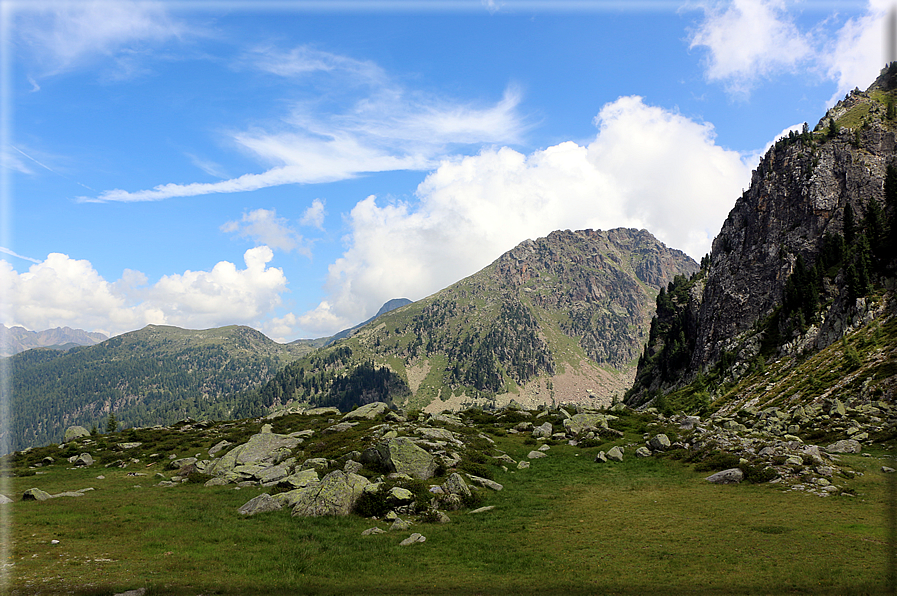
x=59 y=36
x=374 y=126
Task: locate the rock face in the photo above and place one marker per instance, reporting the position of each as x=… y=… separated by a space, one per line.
x=803 y=191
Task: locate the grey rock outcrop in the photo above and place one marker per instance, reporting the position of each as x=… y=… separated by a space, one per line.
x=367 y=411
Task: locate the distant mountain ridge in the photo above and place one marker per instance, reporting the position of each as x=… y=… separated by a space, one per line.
x=156 y=375
x=18 y=339
x=561 y=318
x=390 y=305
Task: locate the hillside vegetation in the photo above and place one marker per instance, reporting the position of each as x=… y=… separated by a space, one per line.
x=157 y=375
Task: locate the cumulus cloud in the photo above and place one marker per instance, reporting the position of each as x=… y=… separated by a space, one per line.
x=61 y=291
x=59 y=36
x=751 y=40
x=373 y=126
x=856 y=55
x=314 y=215
x=748 y=40
x=646 y=168
x=264 y=227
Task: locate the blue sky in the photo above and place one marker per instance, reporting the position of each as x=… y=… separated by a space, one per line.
x=293 y=165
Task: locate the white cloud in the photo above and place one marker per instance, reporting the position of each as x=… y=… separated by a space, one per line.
x=748 y=40
x=856 y=55
x=61 y=291
x=61 y=35
x=380 y=127
x=314 y=215
x=647 y=168
x=751 y=40
x=264 y=227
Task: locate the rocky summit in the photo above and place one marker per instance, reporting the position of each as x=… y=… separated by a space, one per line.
x=561 y=319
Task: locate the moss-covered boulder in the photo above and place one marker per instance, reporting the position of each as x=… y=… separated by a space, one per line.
x=335 y=494
x=402 y=456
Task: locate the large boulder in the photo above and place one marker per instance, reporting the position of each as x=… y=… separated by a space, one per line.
x=75 y=432
x=585 y=422
x=4 y=500
x=615 y=454
x=659 y=443
x=455 y=485
x=402 y=456
x=35 y=494
x=544 y=430
x=367 y=411
x=335 y=494
x=260 y=449
x=81 y=461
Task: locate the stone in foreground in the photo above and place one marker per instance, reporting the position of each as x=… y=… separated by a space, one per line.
x=260 y=504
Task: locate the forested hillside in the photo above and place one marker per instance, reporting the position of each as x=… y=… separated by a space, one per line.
x=157 y=375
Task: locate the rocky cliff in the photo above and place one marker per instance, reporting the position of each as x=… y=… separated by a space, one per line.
x=804 y=257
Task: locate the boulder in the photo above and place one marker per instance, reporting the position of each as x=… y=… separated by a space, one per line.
x=75 y=432
x=437 y=434
x=4 y=500
x=455 y=485
x=730 y=476
x=536 y=454
x=315 y=463
x=485 y=482
x=580 y=423
x=413 y=539
x=643 y=452
x=81 y=461
x=340 y=427
x=659 y=442
x=335 y=494
x=544 y=430
x=301 y=479
x=262 y=448
x=402 y=495
x=601 y=458
x=322 y=411
x=399 y=524
x=367 y=411
x=615 y=454
x=844 y=446
x=35 y=494
x=400 y=455
x=522 y=465
x=260 y=504
x=374 y=530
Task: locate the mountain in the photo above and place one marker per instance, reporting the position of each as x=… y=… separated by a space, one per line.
x=805 y=261
x=559 y=319
x=389 y=306
x=18 y=339
x=157 y=375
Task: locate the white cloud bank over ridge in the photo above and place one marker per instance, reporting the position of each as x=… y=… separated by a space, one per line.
x=647 y=168
x=61 y=291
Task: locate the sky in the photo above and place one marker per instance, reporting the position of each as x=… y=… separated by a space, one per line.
x=293 y=165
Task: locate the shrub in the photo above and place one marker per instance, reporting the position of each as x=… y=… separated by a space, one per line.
x=757 y=474
x=477 y=469
x=717 y=461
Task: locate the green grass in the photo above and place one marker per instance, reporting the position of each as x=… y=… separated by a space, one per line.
x=565 y=526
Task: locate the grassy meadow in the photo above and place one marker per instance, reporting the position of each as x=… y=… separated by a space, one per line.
x=567 y=525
